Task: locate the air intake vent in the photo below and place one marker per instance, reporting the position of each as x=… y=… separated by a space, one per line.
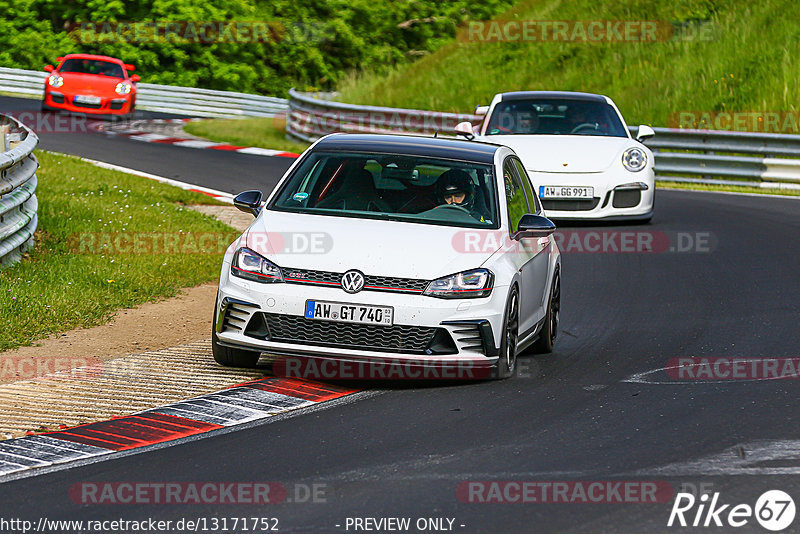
x=571 y=205
x=627 y=198
x=471 y=336
x=474 y=335
x=396 y=338
x=234 y=314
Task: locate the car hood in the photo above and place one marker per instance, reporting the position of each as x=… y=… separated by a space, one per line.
x=89 y=83
x=374 y=247
x=564 y=153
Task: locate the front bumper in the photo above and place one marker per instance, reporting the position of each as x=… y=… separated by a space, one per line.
x=615 y=195
x=65 y=100
x=270 y=318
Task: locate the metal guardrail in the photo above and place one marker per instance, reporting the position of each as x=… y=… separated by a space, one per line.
x=720 y=157
x=311 y=117
x=703 y=156
x=164 y=98
x=206 y=102
x=680 y=155
x=18 y=204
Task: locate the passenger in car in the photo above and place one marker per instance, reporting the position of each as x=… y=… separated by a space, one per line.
x=357 y=193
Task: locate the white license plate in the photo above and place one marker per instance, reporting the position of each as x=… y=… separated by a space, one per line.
x=565 y=191
x=349 y=313
x=87 y=99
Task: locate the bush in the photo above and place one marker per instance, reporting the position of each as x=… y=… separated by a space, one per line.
x=313 y=45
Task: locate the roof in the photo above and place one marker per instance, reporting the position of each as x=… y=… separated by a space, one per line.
x=446 y=148
x=93 y=56
x=521 y=95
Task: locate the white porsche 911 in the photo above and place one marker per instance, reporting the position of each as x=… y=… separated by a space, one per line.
x=434 y=252
x=578 y=151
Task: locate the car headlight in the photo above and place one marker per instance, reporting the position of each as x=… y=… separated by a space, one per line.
x=252 y=266
x=634 y=159
x=123 y=88
x=468 y=284
x=54 y=80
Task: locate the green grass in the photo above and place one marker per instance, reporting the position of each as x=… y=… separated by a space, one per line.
x=20 y=95
x=260 y=132
x=57 y=287
x=726 y=188
x=750 y=63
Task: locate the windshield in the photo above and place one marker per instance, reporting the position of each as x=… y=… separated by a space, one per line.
x=555 y=117
x=92 y=66
x=393 y=187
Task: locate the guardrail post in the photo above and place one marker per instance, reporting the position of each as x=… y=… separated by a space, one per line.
x=706 y=176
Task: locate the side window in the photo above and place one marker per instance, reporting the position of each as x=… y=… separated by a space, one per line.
x=533 y=199
x=515 y=195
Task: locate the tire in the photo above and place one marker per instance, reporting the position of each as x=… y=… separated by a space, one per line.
x=228 y=356
x=506 y=364
x=547 y=337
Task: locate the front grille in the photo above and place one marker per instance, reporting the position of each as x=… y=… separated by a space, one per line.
x=571 y=205
x=307 y=276
x=371 y=283
x=396 y=338
x=57 y=99
x=116 y=105
x=627 y=198
x=385 y=283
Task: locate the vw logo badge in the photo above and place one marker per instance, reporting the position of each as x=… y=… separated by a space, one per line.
x=353 y=281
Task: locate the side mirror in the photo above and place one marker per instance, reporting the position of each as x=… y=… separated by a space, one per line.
x=531 y=225
x=465 y=129
x=249 y=202
x=49 y=68
x=129 y=67
x=135 y=78
x=644 y=132
x=481 y=110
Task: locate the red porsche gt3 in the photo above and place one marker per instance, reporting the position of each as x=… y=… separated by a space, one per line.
x=87 y=83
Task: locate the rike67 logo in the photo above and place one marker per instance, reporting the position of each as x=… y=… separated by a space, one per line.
x=774 y=510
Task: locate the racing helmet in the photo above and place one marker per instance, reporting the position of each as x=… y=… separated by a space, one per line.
x=456 y=181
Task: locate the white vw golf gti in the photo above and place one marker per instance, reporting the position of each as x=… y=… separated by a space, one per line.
x=431 y=252
x=577 y=150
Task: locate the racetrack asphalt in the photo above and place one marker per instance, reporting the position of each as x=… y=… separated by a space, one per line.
x=229 y=172
x=586 y=412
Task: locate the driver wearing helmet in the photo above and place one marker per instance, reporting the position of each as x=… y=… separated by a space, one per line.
x=582 y=119
x=455 y=187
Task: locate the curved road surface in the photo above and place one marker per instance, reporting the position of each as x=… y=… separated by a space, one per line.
x=597 y=409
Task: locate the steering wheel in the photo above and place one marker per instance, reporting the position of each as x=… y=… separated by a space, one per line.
x=584 y=126
x=453 y=207
x=503 y=129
